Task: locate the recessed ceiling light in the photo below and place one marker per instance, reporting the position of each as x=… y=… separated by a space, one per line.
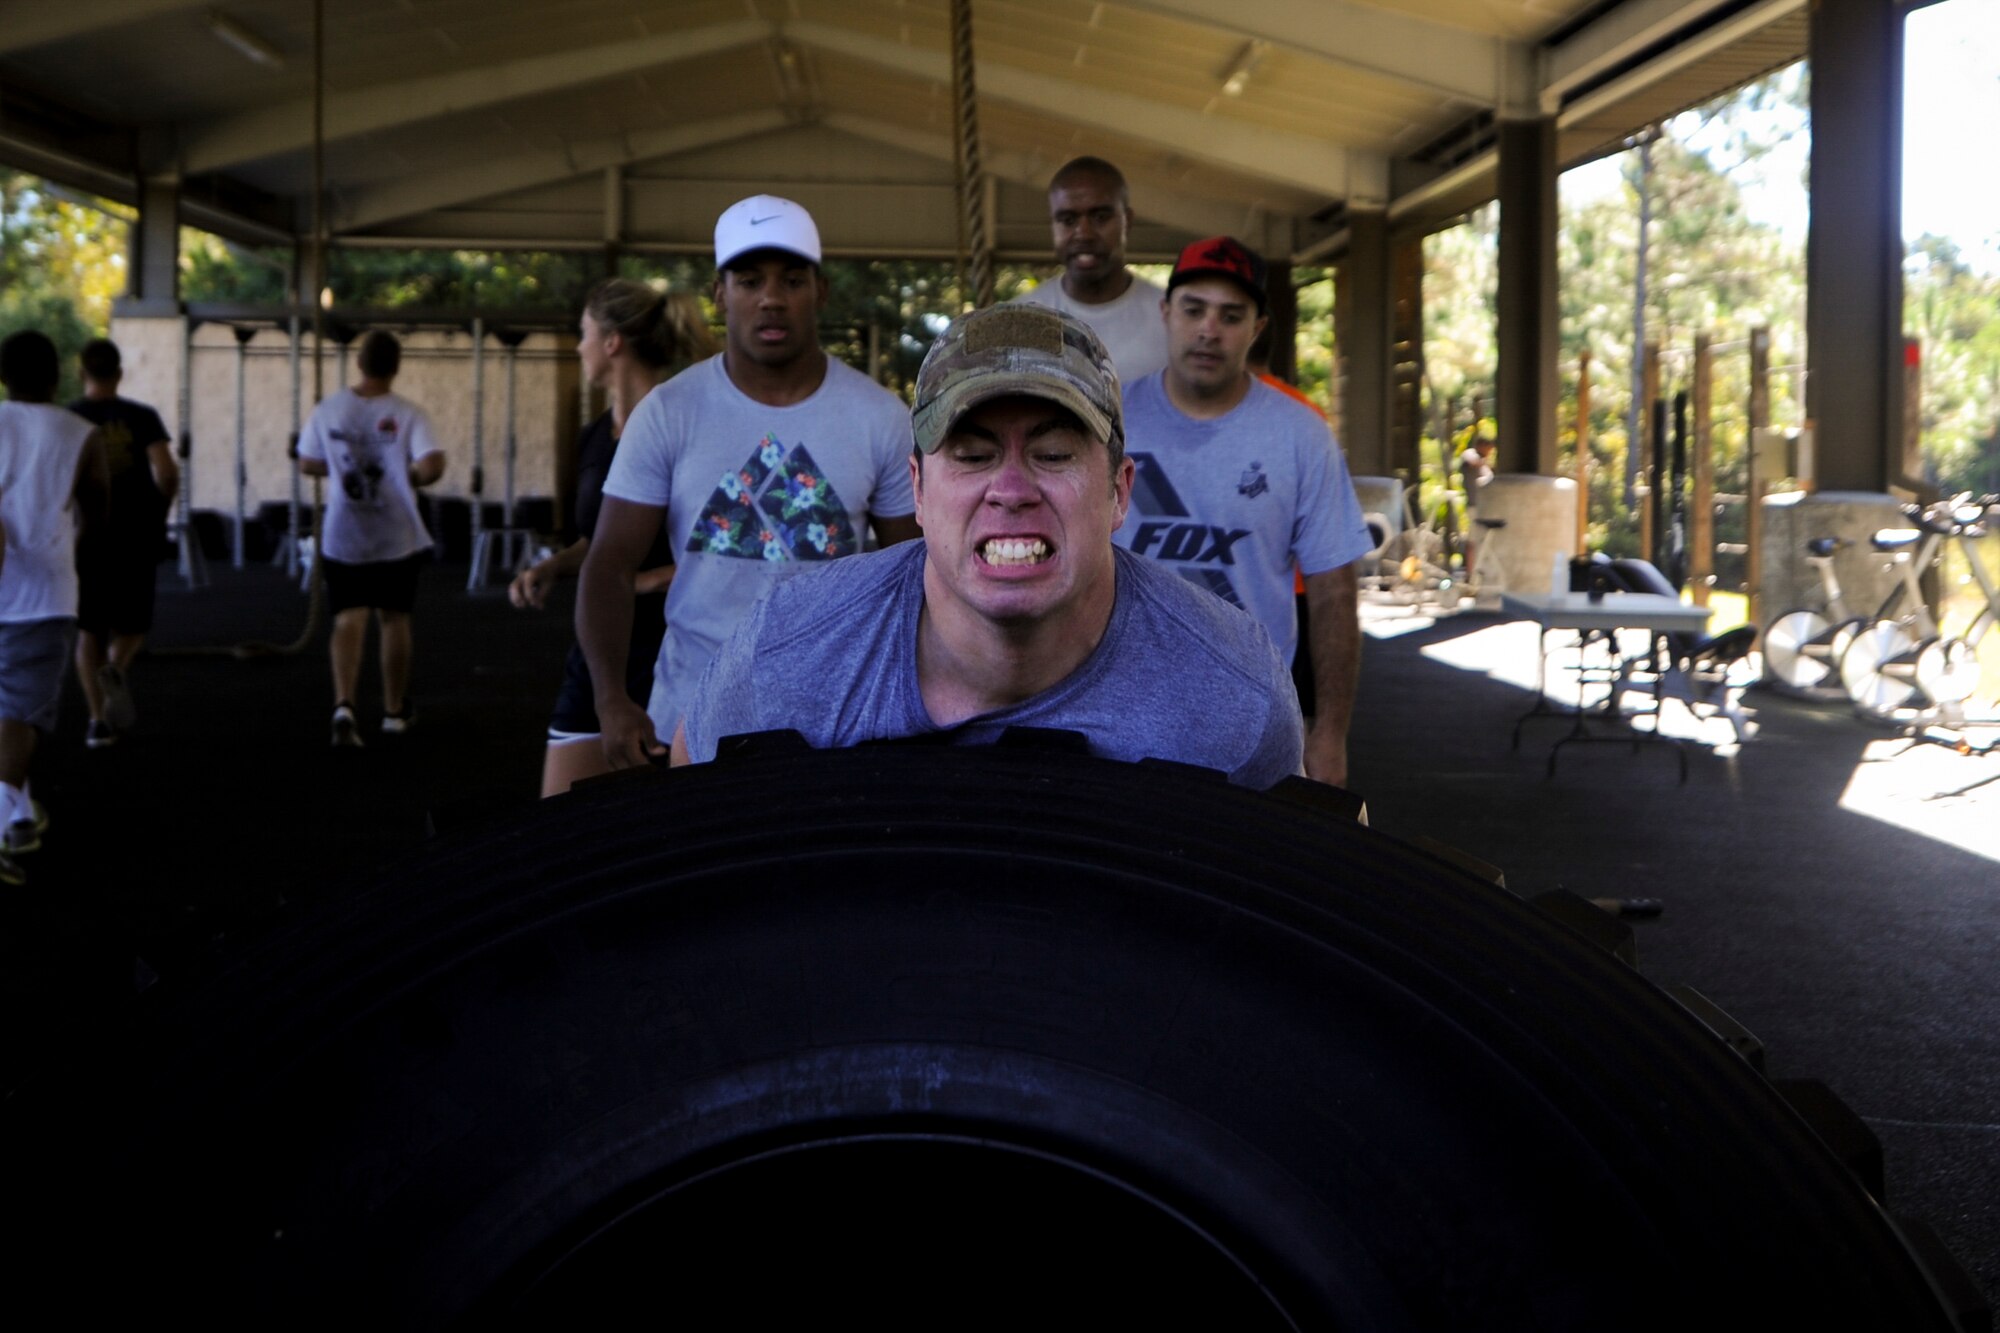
x=1236 y=74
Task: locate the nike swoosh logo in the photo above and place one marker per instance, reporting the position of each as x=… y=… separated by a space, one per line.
x=758 y=222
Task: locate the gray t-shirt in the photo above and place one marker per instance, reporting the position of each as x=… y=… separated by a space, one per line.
x=1177 y=675
x=1232 y=503
x=368 y=445
x=1131 y=327
x=754 y=495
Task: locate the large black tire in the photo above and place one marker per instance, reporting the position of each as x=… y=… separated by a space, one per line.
x=822 y=1035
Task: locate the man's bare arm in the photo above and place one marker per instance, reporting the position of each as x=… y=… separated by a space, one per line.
x=530 y=587
x=1333 y=605
x=427 y=469
x=624 y=536
x=166 y=472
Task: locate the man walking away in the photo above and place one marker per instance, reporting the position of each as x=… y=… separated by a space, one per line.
x=51 y=471
x=378 y=447
x=116 y=562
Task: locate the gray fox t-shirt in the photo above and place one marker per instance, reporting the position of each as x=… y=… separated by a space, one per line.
x=1230 y=503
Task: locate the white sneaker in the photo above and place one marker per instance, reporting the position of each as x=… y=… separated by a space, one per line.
x=24 y=831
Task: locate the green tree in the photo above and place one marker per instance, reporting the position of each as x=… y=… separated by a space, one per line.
x=1954 y=313
x=213 y=269
x=62 y=262
x=894 y=308
x=463 y=279
x=1708 y=268
x=54 y=315
x=1315 y=291
x=1461 y=309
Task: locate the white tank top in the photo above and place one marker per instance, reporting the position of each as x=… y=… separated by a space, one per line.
x=40 y=445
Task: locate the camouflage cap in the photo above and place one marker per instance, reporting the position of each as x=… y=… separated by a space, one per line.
x=1016 y=349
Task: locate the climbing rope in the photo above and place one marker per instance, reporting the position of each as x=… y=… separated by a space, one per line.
x=976 y=247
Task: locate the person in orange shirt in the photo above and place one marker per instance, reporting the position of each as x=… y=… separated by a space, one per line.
x=1260 y=366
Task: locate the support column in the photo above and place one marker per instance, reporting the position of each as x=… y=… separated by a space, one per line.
x=153 y=267
x=1526 y=382
x=150 y=328
x=1758 y=417
x=1406 y=344
x=1854 y=244
x=1281 y=303
x=1364 y=333
x=1701 y=499
x=308 y=274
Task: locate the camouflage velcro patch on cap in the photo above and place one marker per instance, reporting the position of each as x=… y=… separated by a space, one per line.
x=1016 y=349
x=1031 y=328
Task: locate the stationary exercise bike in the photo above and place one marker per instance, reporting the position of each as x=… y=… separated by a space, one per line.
x=1489 y=574
x=1899 y=660
x=1423 y=574
x=1803 y=646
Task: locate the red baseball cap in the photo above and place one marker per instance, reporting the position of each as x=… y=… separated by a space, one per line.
x=1222 y=257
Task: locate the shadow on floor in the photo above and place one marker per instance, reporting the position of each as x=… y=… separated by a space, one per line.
x=1857 y=949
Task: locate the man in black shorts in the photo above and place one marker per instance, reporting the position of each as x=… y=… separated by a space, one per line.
x=116 y=560
x=378 y=448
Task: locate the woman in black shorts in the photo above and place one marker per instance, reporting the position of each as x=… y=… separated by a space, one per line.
x=630 y=339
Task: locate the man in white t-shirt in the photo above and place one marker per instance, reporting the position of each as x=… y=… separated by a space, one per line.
x=52 y=474
x=1090 y=211
x=378 y=448
x=762 y=461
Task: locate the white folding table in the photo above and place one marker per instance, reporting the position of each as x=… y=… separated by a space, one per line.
x=1657 y=615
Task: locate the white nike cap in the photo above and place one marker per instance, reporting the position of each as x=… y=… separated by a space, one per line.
x=765 y=222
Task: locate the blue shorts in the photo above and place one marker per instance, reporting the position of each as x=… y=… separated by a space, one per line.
x=34 y=655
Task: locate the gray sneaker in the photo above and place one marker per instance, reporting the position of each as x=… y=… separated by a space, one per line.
x=345 y=732
x=119 y=710
x=395 y=724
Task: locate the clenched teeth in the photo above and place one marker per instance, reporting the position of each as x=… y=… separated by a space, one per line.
x=1014 y=550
